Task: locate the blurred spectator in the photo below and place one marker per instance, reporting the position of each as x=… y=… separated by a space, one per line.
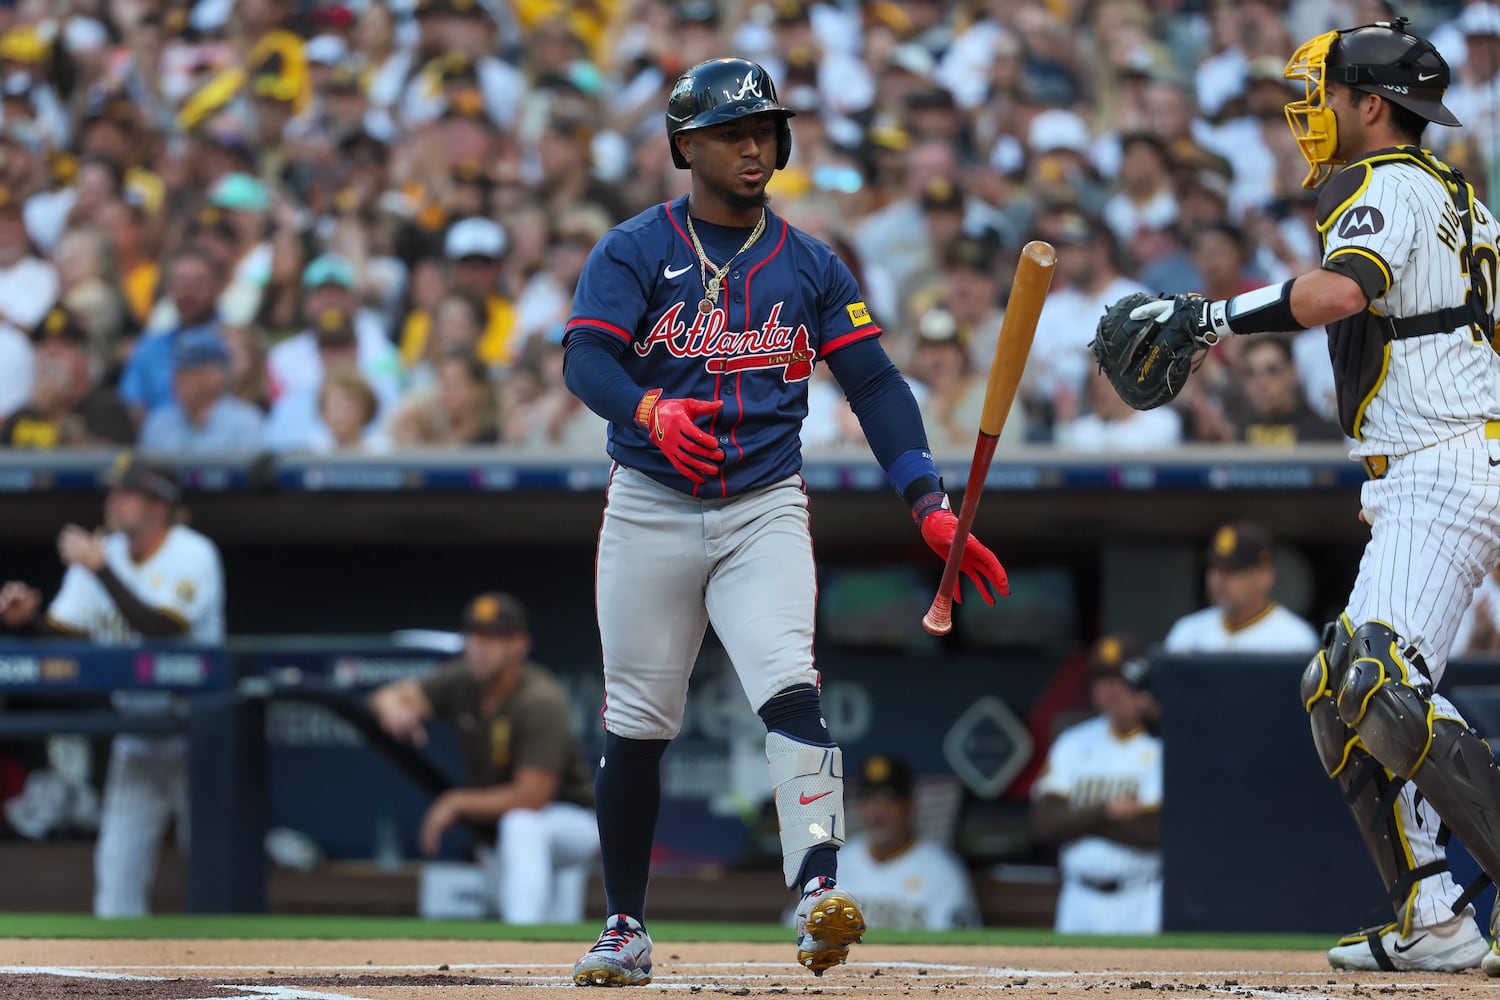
x=1163 y=261
x=558 y=421
x=28 y=289
x=1109 y=424
x=463 y=410
x=547 y=296
x=142 y=576
x=295 y=366
x=347 y=408
x=1088 y=279
x=204 y=418
x=524 y=770
x=1219 y=255
x=68 y=408
x=194 y=281
x=1241 y=616
x=904 y=883
x=1099 y=799
x=1479 y=629
x=975 y=277
x=245 y=203
x=458 y=325
x=294 y=424
x=1270 y=410
x=954 y=395
x=475 y=249
x=1143 y=188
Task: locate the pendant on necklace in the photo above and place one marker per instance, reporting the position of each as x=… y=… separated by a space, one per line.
x=705 y=307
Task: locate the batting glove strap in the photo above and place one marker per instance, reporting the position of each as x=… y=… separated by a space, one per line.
x=928 y=503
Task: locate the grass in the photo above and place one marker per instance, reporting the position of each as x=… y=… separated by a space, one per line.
x=198 y=926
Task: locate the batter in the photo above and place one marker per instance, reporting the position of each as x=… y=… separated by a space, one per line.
x=1407 y=292
x=695 y=328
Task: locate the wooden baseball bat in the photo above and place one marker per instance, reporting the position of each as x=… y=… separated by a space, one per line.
x=1027 y=292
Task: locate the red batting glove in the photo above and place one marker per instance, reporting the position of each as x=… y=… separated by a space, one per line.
x=672 y=425
x=935 y=518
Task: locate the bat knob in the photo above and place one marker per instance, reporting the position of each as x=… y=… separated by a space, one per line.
x=939 y=618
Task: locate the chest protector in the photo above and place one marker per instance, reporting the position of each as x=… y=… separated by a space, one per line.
x=1360 y=345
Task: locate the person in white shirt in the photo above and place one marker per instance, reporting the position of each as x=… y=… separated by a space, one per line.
x=1099 y=799
x=1242 y=618
x=1088 y=280
x=904 y=883
x=1478 y=633
x=147 y=578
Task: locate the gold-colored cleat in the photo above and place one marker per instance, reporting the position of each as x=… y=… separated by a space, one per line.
x=834 y=923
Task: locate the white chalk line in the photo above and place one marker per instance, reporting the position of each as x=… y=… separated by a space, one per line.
x=984 y=975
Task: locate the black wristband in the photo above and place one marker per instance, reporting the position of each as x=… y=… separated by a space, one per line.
x=1265 y=310
x=919 y=488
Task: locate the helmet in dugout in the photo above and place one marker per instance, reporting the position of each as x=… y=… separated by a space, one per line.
x=721 y=90
x=1383 y=59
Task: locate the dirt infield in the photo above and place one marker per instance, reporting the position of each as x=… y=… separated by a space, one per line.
x=467 y=970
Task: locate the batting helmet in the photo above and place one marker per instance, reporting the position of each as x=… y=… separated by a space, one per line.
x=1383 y=59
x=721 y=90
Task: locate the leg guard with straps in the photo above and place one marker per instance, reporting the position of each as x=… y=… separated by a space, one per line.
x=809 y=783
x=1386 y=697
x=1369 y=789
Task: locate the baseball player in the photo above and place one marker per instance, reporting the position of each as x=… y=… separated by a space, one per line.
x=905 y=882
x=1242 y=618
x=148 y=578
x=1099 y=798
x=1406 y=291
x=695 y=328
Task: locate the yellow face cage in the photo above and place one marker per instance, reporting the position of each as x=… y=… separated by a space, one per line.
x=1312 y=121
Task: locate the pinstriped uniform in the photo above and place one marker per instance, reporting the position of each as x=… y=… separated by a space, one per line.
x=1435 y=513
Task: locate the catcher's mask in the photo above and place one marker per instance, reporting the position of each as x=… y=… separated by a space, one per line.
x=1383 y=59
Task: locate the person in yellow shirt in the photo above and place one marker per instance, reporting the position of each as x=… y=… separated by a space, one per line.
x=474 y=248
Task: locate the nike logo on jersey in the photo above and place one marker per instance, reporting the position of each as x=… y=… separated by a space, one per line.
x=1494 y=462
x=1414 y=942
x=669 y=273
x=1424 y=77
x=807 y=800
x=1362 y=220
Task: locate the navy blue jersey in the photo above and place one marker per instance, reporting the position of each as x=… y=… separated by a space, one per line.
x=786 y=303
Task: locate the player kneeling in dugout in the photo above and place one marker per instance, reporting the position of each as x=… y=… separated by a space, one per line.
x=1099 y=800
x=524 y=767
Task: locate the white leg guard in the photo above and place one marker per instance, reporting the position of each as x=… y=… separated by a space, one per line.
x=809 y=784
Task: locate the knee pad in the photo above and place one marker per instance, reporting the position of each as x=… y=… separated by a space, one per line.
x=1321 y=682
x=809 y=786
x=1384 y=698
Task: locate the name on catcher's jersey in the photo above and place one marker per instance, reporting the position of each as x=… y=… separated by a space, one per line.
x=1089 y=765
x=1394 y=222
x=183 y=578
x=786 y=303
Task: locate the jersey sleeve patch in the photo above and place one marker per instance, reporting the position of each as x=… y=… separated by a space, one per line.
x=1368 y=269
x=859 y=314
x=1340 y=192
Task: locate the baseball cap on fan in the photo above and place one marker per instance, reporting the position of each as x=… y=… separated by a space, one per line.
x=1480 y=20
x=1239 y=546
x=475 y=236
x=494 y=613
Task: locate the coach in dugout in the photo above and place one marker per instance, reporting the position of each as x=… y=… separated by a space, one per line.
x=144 y=577
x=523 y=767
x=1099 y=800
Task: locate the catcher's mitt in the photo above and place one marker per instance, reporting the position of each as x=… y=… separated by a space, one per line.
x=1147 y=359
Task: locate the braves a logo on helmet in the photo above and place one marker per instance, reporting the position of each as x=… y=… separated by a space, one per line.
x=1362 y=220
x=749 y=85
x=728 y=351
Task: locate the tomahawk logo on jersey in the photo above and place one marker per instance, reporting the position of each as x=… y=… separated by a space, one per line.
x=787 y=303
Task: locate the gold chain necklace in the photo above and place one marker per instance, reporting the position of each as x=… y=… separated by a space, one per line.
x=711 y=285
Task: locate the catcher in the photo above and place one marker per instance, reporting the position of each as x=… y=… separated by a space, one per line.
x=1406 y=292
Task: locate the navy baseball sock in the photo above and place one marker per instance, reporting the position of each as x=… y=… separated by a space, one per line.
x=627 y=797
x=798 y=712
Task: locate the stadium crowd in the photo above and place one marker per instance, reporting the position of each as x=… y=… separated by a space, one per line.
x=270 y=225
